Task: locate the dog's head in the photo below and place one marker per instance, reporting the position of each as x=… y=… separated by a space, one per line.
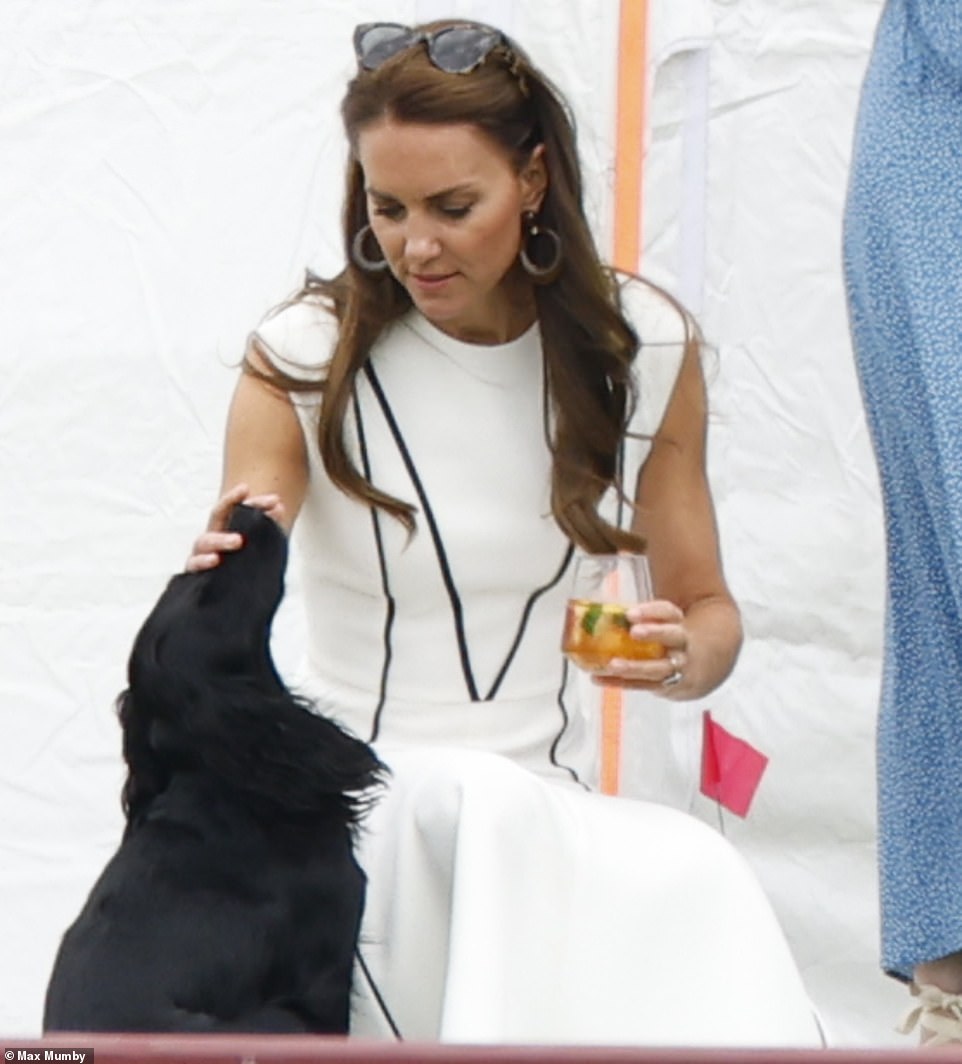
x=215 y=625
x=203 y=693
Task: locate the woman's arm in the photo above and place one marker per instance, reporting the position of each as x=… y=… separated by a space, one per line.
x=265 y=465
x=693 y=614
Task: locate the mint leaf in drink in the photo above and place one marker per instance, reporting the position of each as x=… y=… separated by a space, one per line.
x=591 y=618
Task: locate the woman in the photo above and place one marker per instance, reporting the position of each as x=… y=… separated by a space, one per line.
x=447 y=419
x=903 y=244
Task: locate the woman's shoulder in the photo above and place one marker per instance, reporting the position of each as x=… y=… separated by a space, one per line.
x=656 y=316
x=664 y=329
x=298 y=337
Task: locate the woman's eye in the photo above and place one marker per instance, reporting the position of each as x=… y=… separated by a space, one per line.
x=455 y=212
x=388 y=210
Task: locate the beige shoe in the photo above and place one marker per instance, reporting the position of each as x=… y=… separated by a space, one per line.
x=937 y=1014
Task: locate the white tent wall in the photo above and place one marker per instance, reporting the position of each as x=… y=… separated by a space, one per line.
x=751 y=116
x=168 y=169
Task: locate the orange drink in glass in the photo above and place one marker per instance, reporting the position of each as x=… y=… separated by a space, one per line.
x=596 y=628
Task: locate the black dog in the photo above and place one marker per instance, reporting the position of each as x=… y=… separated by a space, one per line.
x=234 y=900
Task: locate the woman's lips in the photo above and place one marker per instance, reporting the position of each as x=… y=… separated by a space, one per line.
x=431 y=282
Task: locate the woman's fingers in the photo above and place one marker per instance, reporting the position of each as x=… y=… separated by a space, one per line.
x=220 y=514
x=649 y=674
x=209 y=546
x=660 y=622
x=655 y=611
x=198 y=563
x=270 y=504
x=217 y=540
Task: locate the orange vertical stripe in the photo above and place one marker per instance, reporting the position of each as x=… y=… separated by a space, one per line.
x=629 y=147
x=630 y=132
x=610 y=740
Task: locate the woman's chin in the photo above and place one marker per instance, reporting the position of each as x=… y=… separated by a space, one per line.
x=437 y=309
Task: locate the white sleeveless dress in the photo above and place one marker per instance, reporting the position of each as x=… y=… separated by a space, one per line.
x=506 y=902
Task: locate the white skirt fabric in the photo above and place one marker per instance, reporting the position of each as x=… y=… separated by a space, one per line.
x=503 y=908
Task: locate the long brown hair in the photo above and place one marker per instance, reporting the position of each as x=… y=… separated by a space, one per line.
x=589 y=345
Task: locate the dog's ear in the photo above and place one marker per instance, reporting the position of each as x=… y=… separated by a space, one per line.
x=277 y=750
x=147 y=772
x=244 y=727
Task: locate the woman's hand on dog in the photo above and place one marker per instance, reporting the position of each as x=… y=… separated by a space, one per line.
x=216 y=540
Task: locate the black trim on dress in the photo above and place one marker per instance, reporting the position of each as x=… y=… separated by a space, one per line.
x=446 y=575
x=525 y=614
x=553 y=751
x=450 y=585
x=390 y=605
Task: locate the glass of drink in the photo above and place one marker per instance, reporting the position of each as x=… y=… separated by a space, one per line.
x=596 y=626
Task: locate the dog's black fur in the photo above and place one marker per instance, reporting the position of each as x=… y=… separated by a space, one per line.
x=234 y=900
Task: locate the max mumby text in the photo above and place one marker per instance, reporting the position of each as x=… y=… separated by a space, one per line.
x=71 y=1056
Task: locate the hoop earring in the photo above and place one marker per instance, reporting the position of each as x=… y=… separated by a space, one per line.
x=358 y=256
x=546 y=273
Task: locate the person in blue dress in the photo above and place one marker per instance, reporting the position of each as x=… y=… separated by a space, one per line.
x=903 y=270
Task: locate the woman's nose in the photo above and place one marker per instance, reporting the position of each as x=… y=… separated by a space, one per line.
x=421 y=243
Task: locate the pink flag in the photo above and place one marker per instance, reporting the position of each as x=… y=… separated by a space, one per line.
x=731 y=769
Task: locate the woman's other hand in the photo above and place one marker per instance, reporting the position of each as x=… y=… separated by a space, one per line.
x=657 y=621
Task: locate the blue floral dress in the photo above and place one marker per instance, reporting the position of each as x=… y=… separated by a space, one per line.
x=903 y=264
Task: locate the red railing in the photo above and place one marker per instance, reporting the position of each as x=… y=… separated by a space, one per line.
x=296 y=1049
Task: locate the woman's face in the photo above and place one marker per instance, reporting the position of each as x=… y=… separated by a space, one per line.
x=445 y=204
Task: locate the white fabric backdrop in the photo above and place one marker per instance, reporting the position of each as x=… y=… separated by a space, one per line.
x=167 y=171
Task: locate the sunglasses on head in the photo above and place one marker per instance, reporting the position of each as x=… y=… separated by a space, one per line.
x=457 y=49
